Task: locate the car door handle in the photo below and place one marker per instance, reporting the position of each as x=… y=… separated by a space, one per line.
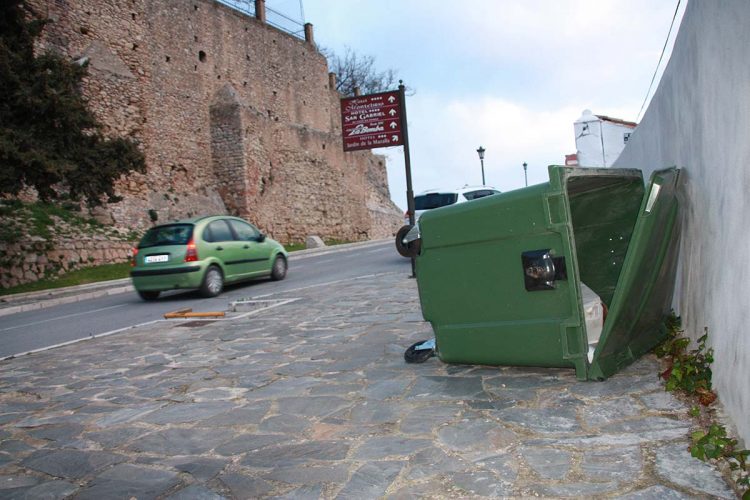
x=219 y=248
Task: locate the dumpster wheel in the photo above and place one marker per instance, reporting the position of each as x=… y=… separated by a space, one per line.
x=401 y=247
x=419 y=353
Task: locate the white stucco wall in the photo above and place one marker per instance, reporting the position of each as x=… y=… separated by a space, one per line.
x=699 y=120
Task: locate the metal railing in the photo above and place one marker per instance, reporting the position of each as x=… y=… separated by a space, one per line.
x=273 y=17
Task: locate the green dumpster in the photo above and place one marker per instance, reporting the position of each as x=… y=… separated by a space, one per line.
x=576 y=272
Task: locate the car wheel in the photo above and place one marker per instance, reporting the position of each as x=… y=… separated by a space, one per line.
x=148 y=295
x=278 y=271
x=401 y=247
x=213 y=282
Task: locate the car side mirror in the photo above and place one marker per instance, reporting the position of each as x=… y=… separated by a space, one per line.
x=261 y=238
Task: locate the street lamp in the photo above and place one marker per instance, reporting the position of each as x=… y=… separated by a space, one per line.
x=525 y=177
x=481 y=151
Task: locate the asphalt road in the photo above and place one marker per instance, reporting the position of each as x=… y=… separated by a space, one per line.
x=116 y=314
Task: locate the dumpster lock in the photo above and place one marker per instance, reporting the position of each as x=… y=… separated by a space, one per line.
x=541 y=270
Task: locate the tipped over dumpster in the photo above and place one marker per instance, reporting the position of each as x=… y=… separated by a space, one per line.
x=577 y=272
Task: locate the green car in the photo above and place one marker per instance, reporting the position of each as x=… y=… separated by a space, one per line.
x=204 y=253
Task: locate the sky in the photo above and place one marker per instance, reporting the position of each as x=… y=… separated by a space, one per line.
x=509 y=75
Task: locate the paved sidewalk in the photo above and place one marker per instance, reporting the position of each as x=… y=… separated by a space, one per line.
x=306 y=395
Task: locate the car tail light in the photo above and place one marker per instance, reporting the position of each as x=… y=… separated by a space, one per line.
x=135 y=254
x=191 y=255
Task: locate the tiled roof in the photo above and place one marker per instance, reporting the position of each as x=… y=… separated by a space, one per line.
x=617 y=120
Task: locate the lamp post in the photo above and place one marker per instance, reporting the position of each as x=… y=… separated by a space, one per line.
x=525 y=177
x=481 y=151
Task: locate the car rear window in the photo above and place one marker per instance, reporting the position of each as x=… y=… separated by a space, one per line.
x=172 y=234
x=434 y=200
x=481 y=193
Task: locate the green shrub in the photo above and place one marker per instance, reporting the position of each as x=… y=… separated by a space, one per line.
x=690 y=372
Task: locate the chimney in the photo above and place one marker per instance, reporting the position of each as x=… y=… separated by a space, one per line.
x=309 y=34
x=260 y=10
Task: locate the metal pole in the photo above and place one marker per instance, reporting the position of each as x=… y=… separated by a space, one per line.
x=407 y=162
x=480 y=152
x=525 y=176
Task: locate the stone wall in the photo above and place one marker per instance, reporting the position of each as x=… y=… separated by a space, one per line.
x=29 y=260
x=38 y=243
x=233 y=116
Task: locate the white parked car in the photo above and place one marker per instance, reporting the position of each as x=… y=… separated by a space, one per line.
x=437 y=198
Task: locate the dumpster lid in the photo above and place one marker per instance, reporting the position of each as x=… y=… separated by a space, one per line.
x=643 y=295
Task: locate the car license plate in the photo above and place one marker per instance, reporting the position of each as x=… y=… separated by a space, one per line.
x=150 y=259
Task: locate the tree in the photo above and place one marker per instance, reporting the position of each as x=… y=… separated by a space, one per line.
x=49 y=139
x=353 y=70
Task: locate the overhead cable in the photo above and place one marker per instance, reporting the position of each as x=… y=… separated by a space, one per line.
x=663 y=50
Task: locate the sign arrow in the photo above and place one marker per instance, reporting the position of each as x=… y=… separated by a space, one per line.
x=393 y=125
x=392 y=112
x=394 y=138
x=391 y=99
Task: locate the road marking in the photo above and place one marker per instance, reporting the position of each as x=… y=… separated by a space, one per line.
x=326 y=261
x=147 y=323
x=377 y=250
x=62 y=317
x=365 y=276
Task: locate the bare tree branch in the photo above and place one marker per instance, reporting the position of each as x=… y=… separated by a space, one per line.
x=354 y=70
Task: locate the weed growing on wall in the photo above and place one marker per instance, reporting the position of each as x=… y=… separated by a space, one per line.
x=689 y=372
x=715 y=444
x=44 y=240
x=46 y=220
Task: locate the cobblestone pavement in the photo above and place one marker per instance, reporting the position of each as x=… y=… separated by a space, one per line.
x=311 y=398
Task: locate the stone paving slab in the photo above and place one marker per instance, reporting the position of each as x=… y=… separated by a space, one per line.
x=313 y=399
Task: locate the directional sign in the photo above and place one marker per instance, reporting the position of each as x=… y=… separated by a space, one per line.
x=371 y=121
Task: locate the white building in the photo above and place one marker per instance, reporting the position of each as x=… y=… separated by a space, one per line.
x=600 y=139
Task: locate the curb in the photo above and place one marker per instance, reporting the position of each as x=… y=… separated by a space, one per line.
x=312 y=252
x=52 y=292
x=68 y=299
x=58 y=296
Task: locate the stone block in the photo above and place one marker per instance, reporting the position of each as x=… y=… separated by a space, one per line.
x=314 y=241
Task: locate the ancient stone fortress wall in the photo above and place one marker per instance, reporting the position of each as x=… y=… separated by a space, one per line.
x=233 y=116
x=33 y=259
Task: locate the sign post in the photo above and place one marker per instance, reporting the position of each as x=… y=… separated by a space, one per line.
x=379 y=121
x=407 y=163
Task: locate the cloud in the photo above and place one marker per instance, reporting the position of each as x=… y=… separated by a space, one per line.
x=444 y=137
x=510 y=75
